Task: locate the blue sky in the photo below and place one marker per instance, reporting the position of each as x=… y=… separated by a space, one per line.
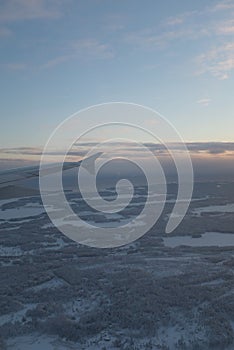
x=58 y=56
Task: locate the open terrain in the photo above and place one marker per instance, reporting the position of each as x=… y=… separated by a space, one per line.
x=159 y=292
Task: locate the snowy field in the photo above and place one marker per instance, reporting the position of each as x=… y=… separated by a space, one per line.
x=160 y=292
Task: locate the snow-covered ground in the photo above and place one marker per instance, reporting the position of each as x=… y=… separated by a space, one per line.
x=38 y=342
x=48 y=280
x=10 y=251
x=16 y=316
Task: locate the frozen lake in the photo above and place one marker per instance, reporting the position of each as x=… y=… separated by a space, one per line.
x=21 y=212
x=227 y=208
x=206 y=240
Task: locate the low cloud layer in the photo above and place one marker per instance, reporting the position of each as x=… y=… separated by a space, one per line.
x=211 y=160
x=79 y=150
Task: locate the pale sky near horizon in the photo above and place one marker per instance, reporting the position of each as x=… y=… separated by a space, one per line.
x=60 y=56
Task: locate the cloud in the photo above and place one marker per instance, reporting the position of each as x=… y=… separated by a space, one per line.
x=18 y=10
x=15 y=66
x=192 y=26
x=115 y=22
x=155 y=39
x=92 y=47
x=224 y=28
x=174 y=20
x=121 y=149
x=211 y=147
x=196 y=147
x=218 y=61
x=227 y=30
x=179 y=19
x=204 y=101
x=22 y=150
x=185 y=26
x=82 y=49
x=37 y=151
x=4 y=32
x=223 y=5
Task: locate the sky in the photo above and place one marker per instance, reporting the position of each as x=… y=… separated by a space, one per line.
x=59 y=56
